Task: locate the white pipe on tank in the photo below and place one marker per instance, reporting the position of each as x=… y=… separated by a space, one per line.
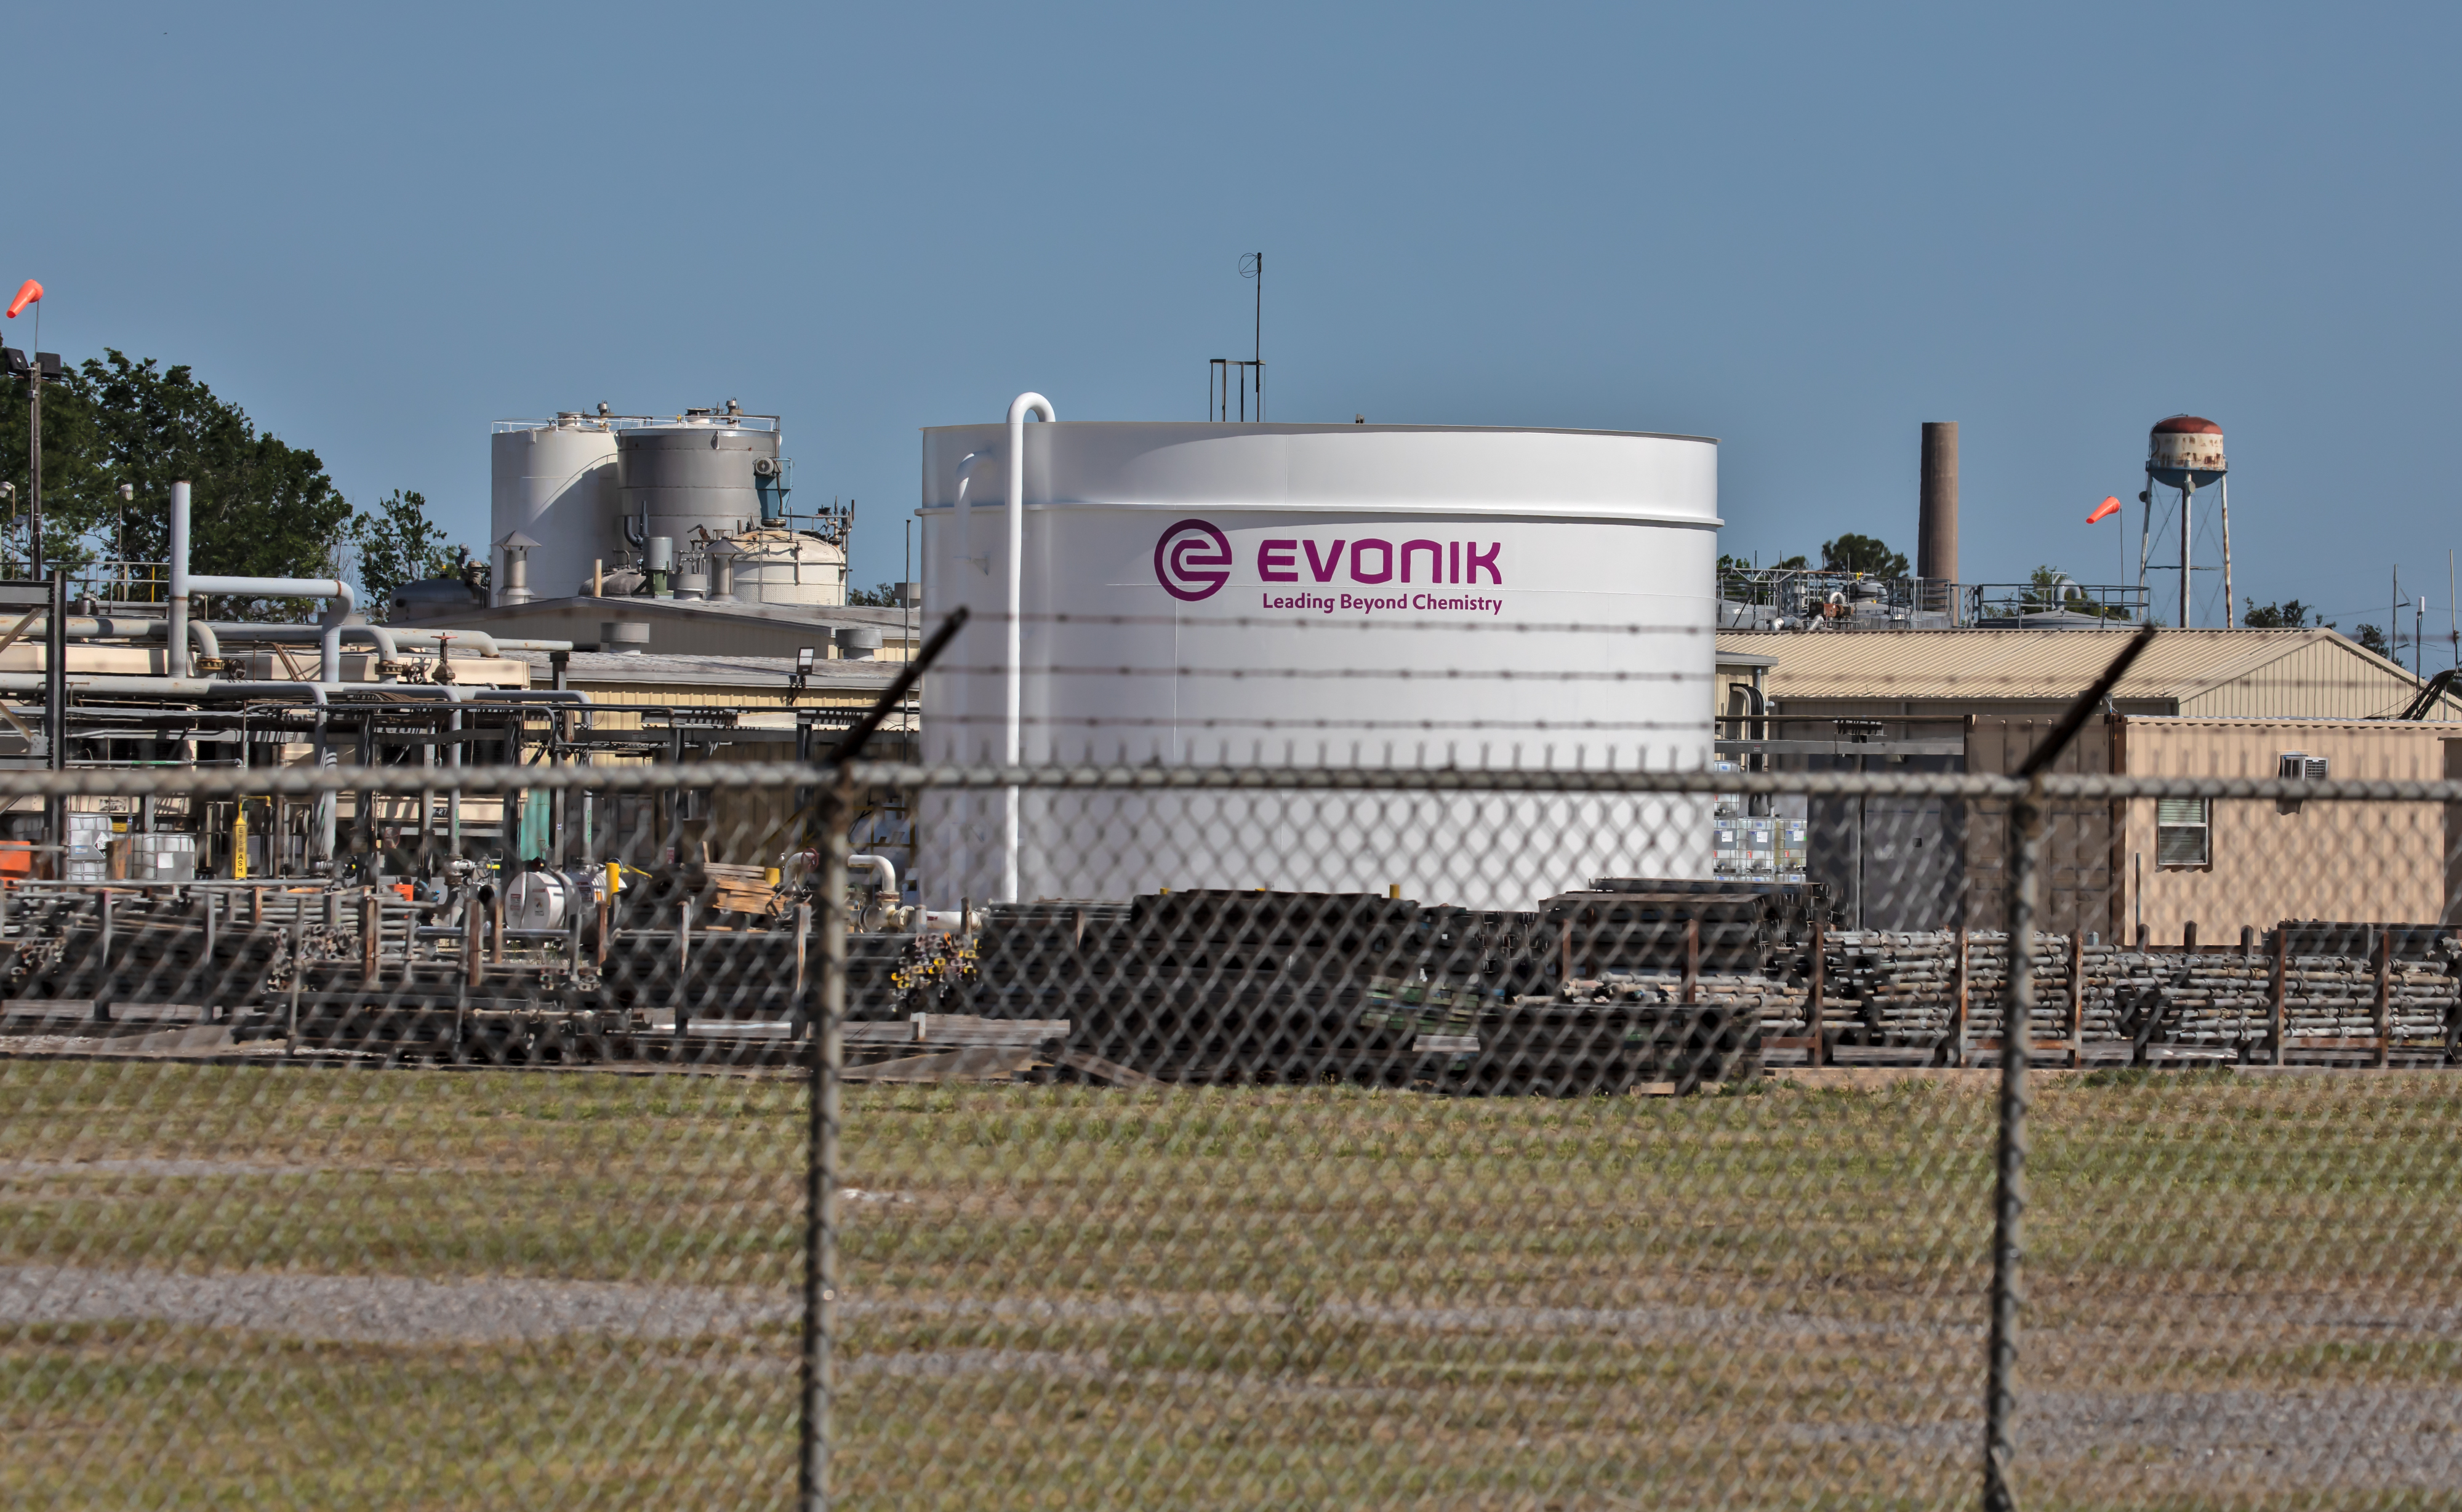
x=1012 y=745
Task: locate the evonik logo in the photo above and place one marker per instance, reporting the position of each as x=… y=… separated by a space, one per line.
x=1443 y=561
x=1192 y=560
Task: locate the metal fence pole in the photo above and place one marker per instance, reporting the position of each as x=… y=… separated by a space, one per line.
x=836 y=804
x=2009 y=1197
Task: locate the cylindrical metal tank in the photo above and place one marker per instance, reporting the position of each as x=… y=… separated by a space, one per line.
x=2184 y=448
x=695 y=477
x=554 y=482
x=785 y=567
x=1378 y=595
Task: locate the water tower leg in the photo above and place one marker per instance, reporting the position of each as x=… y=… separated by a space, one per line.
x=2228 y=599
x=2187 y=511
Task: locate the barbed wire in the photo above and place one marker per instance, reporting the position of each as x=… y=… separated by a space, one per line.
x=309 y=781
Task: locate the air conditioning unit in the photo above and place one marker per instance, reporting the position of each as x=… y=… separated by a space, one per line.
x=2298 y=766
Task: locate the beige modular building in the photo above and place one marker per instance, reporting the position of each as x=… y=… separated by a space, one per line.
x=2198 y=701
x=2035 y=674
x=2249 y=864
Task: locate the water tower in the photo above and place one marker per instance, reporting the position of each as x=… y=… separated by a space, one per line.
x=2186 y=452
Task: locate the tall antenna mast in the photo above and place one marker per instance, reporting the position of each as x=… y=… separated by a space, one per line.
x=1253 y=266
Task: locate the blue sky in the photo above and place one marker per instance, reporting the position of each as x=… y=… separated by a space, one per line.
x=1802 y=229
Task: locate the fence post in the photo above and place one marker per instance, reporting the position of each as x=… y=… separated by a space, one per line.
x=1813 y=1018
x=298 y=969
x=2384 y=1004
x=2077 y=999
x=683 y=1024
x=2009 y=1197
x=1692 y=961
x=100 y=1007
x=803 y=952
x=371 y=936
x=837 y=806
x=2278 y=990
x=1957 y=1048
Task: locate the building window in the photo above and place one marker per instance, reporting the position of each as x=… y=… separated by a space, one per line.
x=2184 y=831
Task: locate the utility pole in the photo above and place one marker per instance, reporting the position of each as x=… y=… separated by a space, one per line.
x=56 y=717
x=31 y=293
x=34 y=457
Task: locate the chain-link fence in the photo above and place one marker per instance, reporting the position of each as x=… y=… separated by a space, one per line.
x=1259 y=1137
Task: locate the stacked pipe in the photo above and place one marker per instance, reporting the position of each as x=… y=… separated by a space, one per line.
x=1904 y=989
x=1204 y=986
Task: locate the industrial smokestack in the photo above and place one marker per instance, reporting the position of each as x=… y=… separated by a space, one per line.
x=1936 y=526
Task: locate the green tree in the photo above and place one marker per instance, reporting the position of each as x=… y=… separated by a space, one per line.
x=2289 y=614
x=261 y=507
x=397 y=543
x=1867 y=554
x=77 y=497
x=884 y=596
x=1792 y=564
x=2372 y=639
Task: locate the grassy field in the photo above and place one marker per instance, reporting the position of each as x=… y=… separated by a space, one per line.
x=250 y=1287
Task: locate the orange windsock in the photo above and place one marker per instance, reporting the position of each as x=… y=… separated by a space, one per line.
x=2105 y=511
x=27 y=292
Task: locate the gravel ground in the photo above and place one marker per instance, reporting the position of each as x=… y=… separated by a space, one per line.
x=385 y=1309
x=155 y=1165
x=2386 y=1437
x=2355 y=1435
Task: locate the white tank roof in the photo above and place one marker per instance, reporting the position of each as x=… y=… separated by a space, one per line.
x=1626 y=475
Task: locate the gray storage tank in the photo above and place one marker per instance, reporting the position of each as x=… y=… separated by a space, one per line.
x=696 y=477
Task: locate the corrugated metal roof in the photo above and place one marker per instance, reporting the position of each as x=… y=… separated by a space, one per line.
x=2280 y=674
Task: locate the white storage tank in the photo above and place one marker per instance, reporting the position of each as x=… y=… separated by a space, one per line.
x=778 y=566
x=697 y=476
x=554 y=482
x=1373 y=596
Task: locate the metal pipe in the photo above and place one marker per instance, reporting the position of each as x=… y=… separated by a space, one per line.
x=173 y=661
x=479 y=640
x=124 y=627
x=1025 y=404
x=880 y=867
x=496 y=644
x=453 y=794
x=387 y=640
x=185 y=687
x=339 y=598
